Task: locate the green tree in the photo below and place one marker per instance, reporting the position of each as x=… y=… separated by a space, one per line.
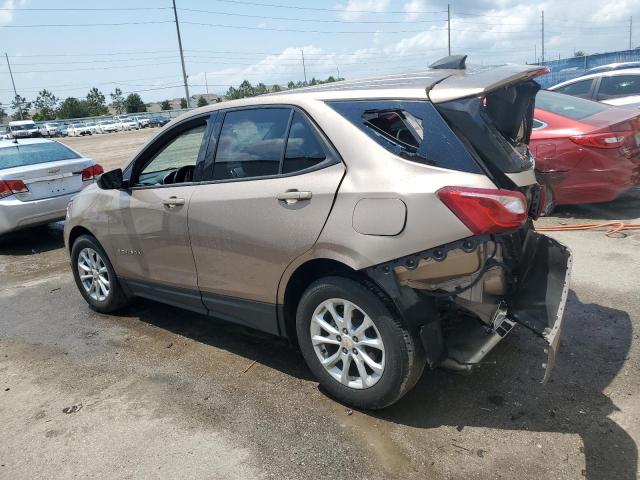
x=21 y=107
x=45 y=104
x=3 y=113
x=135 y=104
x=183 y=103
x=96 y=103
x=71 y=107
x=276 y=88
x=579 y=53
x=260 y=89
x=118 y=101
x=202 y=101
x=291 y=85
x=165 y=105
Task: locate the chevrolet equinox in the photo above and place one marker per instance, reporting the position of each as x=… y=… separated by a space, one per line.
x=383 y=225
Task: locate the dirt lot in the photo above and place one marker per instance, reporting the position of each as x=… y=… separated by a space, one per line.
x=157 y=392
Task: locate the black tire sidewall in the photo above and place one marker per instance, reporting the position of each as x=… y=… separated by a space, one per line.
x=390 y=386
x=114 y=299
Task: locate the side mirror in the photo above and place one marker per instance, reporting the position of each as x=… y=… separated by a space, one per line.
x=112 y=180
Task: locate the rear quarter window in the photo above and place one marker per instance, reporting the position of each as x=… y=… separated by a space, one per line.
x=576 y=89
x=411 y=129
x=32 y=154
x=567 y=106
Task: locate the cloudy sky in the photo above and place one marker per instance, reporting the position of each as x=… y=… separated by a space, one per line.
x=69 y=46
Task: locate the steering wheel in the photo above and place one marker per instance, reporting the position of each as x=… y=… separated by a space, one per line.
x=169 y=178
x=184 y=174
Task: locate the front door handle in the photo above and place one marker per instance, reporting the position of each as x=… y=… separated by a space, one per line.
x=172 y=202
x=293 y=196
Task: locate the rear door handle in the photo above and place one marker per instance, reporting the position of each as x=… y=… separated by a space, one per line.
x=292 y=196
x=172 y=202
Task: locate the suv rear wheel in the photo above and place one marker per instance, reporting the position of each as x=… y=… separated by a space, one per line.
x=95 y=277
x=355 y=346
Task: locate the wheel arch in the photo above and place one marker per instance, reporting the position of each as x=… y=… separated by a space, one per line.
x=76 y=232
x=297 y=282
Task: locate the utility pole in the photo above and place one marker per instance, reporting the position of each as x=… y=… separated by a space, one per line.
x=338 y=70
x=449 y=27
x=630 y=32
x=14 y=86
x=304 y=67
x=184 y=70
x=206 y=83
x=535 y=53
x=542 y=36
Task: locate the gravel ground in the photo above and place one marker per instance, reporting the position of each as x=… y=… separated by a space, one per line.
x=157 y=392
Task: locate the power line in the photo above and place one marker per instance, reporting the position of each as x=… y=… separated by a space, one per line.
x=314 y=20
x=332 y=32
x=68 y=25
x=320 y=9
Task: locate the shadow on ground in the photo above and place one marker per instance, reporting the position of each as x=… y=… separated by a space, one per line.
x=33 y=240
x=506 y=396
x=596 y=341
x=626 y=207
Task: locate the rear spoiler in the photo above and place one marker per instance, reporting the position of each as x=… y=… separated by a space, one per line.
x=473 y=82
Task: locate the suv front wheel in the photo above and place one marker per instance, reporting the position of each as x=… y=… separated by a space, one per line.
x=355 y=345
x=95 y=276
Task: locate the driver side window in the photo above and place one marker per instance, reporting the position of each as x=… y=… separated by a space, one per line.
x=176 y=162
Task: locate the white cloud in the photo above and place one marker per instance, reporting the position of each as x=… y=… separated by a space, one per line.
x=7 y=10
x=355 y=9
x=413 y=9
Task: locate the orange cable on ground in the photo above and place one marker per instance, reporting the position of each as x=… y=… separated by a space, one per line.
x=613 y=227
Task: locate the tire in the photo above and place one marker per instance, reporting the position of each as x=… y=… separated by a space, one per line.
x=549 y=204
x=395 y=367
x=87 y=250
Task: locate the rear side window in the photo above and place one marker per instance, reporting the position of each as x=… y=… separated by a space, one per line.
x=251 y=143
x=577 y=89
x=19 y=155
x=567 y=106
x=619 y=86
x=412 y=129
x=304 y=149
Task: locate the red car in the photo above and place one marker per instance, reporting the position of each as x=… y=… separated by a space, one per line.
x=586 y=152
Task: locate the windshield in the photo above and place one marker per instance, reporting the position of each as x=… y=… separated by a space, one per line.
x=21 y=127
x=31 y=154
x=567 y=105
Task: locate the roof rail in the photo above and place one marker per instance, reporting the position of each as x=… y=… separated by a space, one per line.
x=452 y=62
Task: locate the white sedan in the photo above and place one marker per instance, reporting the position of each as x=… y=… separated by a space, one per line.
x=78 y=129
x=38 y=177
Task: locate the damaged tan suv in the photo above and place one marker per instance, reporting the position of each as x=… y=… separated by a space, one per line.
x=382 y=225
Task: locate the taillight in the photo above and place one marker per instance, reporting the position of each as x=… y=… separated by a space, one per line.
x=601 y=140
x=485 y=210
x=9 y=187
x=92 y=172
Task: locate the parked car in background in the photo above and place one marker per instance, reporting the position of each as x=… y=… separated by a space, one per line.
x=586 y=152
x=48 y=129
x=142 y=121
x=613 y=66
x=38 y=177
x=616 y=87
x=128 y=123
x=358 y=219
x=4 y=134
x=62 y=129
x=91 y=126
x=158 y=121
x=107 y=126
x=23 y=129
x=78 y=129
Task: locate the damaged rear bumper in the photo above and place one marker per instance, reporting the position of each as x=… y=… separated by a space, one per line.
x=537 y=288
x=542 y=294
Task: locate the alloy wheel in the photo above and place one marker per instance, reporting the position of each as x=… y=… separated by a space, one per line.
x=347 y=343
x=93 y=274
